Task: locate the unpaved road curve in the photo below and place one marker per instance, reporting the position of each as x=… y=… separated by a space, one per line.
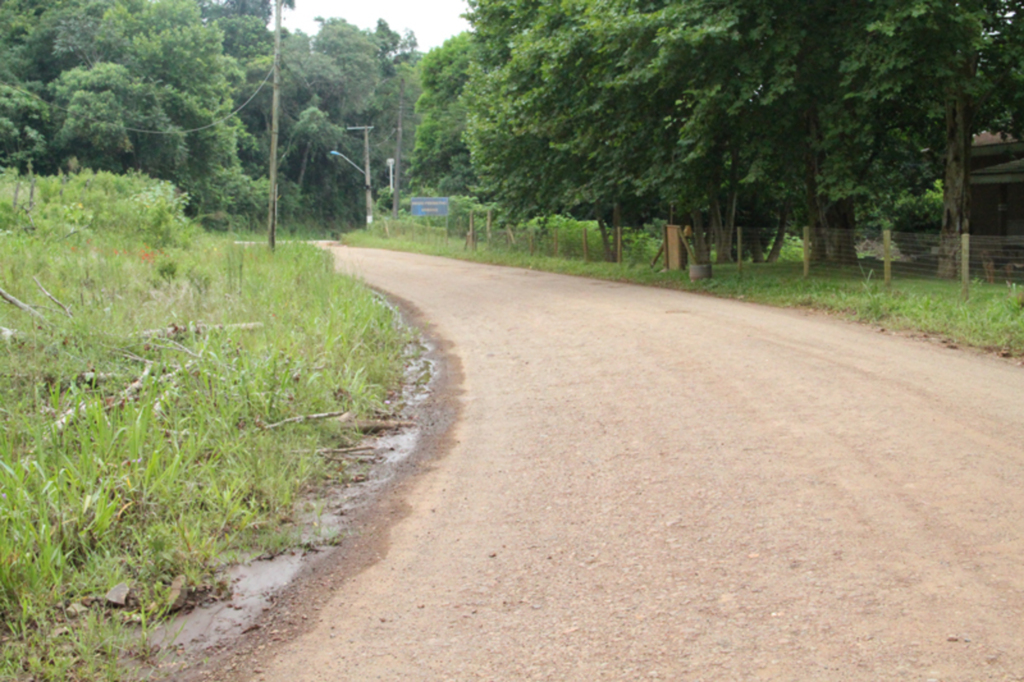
x=646 y=484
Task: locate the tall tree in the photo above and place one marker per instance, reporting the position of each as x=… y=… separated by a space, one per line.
x=442 y=159
x=965 y=60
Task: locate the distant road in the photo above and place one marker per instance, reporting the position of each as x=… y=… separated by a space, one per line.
x=649 y=484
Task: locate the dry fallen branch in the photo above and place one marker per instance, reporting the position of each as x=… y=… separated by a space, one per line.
x=345 y=419
x=374 y=425
x=22 y=306
x=126 y=395
x=50 y=296
x=178 y=347
x=174 y=330
x=309 y=417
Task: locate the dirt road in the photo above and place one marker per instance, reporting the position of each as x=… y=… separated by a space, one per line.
x=646 y=484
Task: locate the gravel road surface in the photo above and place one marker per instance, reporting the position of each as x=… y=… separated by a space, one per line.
x=647 y=484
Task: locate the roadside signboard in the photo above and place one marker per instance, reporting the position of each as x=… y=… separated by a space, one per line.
x=429 y=206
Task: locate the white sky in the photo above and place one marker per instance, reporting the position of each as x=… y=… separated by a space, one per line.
x=433 y=21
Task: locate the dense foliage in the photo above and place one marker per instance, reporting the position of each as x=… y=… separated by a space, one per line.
x=741 y=109
x=133 y=85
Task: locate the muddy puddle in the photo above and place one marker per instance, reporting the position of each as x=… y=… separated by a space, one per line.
x=249 y=587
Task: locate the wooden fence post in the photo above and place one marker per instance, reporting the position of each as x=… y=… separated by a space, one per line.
x=887 y=254
x=586 y=254
x=673 y=248
x=807 y=250
x=531 y=240
x=472 y=232
x=965 y=265
x=488 y=228
x=556 y=242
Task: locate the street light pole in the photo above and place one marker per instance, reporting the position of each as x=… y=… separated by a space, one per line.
x=395 y=199
x=366 y=162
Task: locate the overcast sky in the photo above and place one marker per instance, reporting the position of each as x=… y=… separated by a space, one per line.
x=433 y=21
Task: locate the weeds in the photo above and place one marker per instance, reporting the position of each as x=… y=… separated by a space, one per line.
x=132 y=446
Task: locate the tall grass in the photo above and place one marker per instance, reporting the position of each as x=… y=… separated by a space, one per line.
x=128 y=456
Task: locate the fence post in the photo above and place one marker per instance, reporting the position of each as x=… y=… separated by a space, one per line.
x=531 y=240
x=739 y=249
x=556 y=242
x=807 y=250
x=887 y=249
x=673 y=248
x=488 y=228
x=586 y=252
x=472 y=232
x=965 y=265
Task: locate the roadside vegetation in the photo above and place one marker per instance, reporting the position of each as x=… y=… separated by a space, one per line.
x=145 y=370
x=992 y=319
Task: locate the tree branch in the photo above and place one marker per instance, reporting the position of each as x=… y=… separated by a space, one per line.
x=22 y=306
x=52 y=298
x=174 y=330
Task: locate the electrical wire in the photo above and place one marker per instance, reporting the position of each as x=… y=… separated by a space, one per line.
x=157 y=132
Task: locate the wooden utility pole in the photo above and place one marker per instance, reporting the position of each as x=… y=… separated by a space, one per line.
x=398 y=151
x=274 y=119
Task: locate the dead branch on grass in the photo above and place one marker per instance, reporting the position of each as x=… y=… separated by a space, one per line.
x=50 y=296
x=309 y=417
x=23 y=306
x=127 y=394
x=174 y=330
x=346 y=419
x=375 y=425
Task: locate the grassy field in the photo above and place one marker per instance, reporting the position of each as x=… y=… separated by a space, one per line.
x=992 y=319
x=138 y=399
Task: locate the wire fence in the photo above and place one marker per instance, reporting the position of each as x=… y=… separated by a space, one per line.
x=884 y=256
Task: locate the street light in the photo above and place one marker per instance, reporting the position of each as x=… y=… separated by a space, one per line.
x=369 y=199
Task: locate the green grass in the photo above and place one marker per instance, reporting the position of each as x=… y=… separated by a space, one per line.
x=134 y=458
x=992 y=319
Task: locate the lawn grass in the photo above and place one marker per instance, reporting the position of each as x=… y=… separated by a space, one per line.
x=134 y=456
x=992 y=319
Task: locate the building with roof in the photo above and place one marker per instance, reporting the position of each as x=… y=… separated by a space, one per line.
x=997 y=186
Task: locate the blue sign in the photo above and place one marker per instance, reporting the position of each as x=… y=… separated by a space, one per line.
x=427 y=206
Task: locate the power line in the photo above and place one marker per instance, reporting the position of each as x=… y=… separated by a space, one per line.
x=154 y=132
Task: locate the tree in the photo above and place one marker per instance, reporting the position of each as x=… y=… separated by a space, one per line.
x=962 y=58
x=442 y=159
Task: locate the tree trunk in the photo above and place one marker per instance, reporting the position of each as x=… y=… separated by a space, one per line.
x=302 y=166
x=609 y=255
x=723 y=243
x=842 y=221
x=700 y=239
x=780 y=233
x=956 y=198
x=816 y=213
